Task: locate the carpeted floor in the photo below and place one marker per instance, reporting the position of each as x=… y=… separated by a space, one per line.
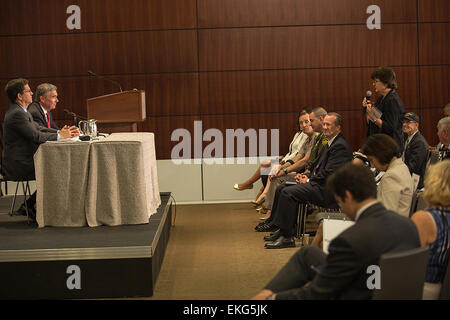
x=214 y=253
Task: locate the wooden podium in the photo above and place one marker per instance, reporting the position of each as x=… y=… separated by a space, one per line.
x=117 y=112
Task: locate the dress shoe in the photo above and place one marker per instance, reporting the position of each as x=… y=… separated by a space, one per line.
x=273 y=236
x=236 y=187
x=265 y=216
x=262 y=210
x=260 y=224
x=258 y=202
x=267 y=227
x=280 y=243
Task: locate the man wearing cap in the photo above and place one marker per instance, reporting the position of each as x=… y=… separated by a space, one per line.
x=415 y=152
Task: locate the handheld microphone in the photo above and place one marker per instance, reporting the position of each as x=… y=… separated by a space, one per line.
x=91 y=73
x=368 y=96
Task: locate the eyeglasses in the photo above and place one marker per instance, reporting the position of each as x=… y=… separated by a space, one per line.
x=25 y=91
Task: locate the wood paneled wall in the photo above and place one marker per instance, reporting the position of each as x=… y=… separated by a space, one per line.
x=231 y=63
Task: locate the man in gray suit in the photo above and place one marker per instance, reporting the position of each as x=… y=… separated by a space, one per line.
x=22 y=136
x=343 y=273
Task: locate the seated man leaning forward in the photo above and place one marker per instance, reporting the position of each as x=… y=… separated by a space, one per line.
x=311 y=190
x=342 y=274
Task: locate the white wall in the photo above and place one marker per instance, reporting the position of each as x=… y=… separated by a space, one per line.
x=199 y=181
x=203 y=182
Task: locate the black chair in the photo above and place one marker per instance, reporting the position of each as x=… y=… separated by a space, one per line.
x=402 y=275
x=26 y=192
x=445 y=289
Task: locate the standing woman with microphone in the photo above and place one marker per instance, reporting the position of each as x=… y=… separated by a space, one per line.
x=386 y=115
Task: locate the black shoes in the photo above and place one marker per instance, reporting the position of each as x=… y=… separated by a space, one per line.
x=266 y=227
x=280 y=243
x=273 y=236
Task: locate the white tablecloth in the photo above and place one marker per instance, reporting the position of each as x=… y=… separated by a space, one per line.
x=111 y=181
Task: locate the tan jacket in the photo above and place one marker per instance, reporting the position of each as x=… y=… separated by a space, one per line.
x=396 y=188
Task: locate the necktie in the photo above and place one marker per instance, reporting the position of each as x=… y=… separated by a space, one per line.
x=404 y=150
x=323 y=154
x=48 y=120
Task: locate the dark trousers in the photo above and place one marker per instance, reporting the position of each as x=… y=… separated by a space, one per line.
x=287 y=199
x=298 y=271
x=31 y=201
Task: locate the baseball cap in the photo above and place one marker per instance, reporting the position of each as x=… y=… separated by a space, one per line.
x=411 y=116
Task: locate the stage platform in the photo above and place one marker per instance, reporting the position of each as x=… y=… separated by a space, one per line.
x=80 y=263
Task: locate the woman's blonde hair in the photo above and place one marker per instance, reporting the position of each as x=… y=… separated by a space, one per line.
x=437 y=184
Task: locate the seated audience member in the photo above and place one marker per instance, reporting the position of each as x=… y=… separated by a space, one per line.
x=342 y=274
x=316 y=116
x=309 y=188
x=22 y=137
x=443 y=133
x=415 y=152
x=396 y=187
x=447 y=110
x=45 y=102
x=266 y=167
x=433 y=225
x=283 y=174
x=302 y=156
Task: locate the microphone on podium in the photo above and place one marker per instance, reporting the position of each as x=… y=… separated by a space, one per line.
x=75 y=117
x=91 y=73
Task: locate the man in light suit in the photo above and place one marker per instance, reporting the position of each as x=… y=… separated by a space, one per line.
x=415 y=152
x=46 y=100
x=310 y=187
x=342 y=274
x=22 y=136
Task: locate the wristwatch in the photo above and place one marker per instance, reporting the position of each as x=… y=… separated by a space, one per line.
x=285 y=171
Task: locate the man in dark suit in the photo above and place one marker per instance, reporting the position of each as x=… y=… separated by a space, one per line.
x=310 y=187
x=46 y=100
x=415 y=153
x=343 y=273
x=443 y=133
x=22 y=136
